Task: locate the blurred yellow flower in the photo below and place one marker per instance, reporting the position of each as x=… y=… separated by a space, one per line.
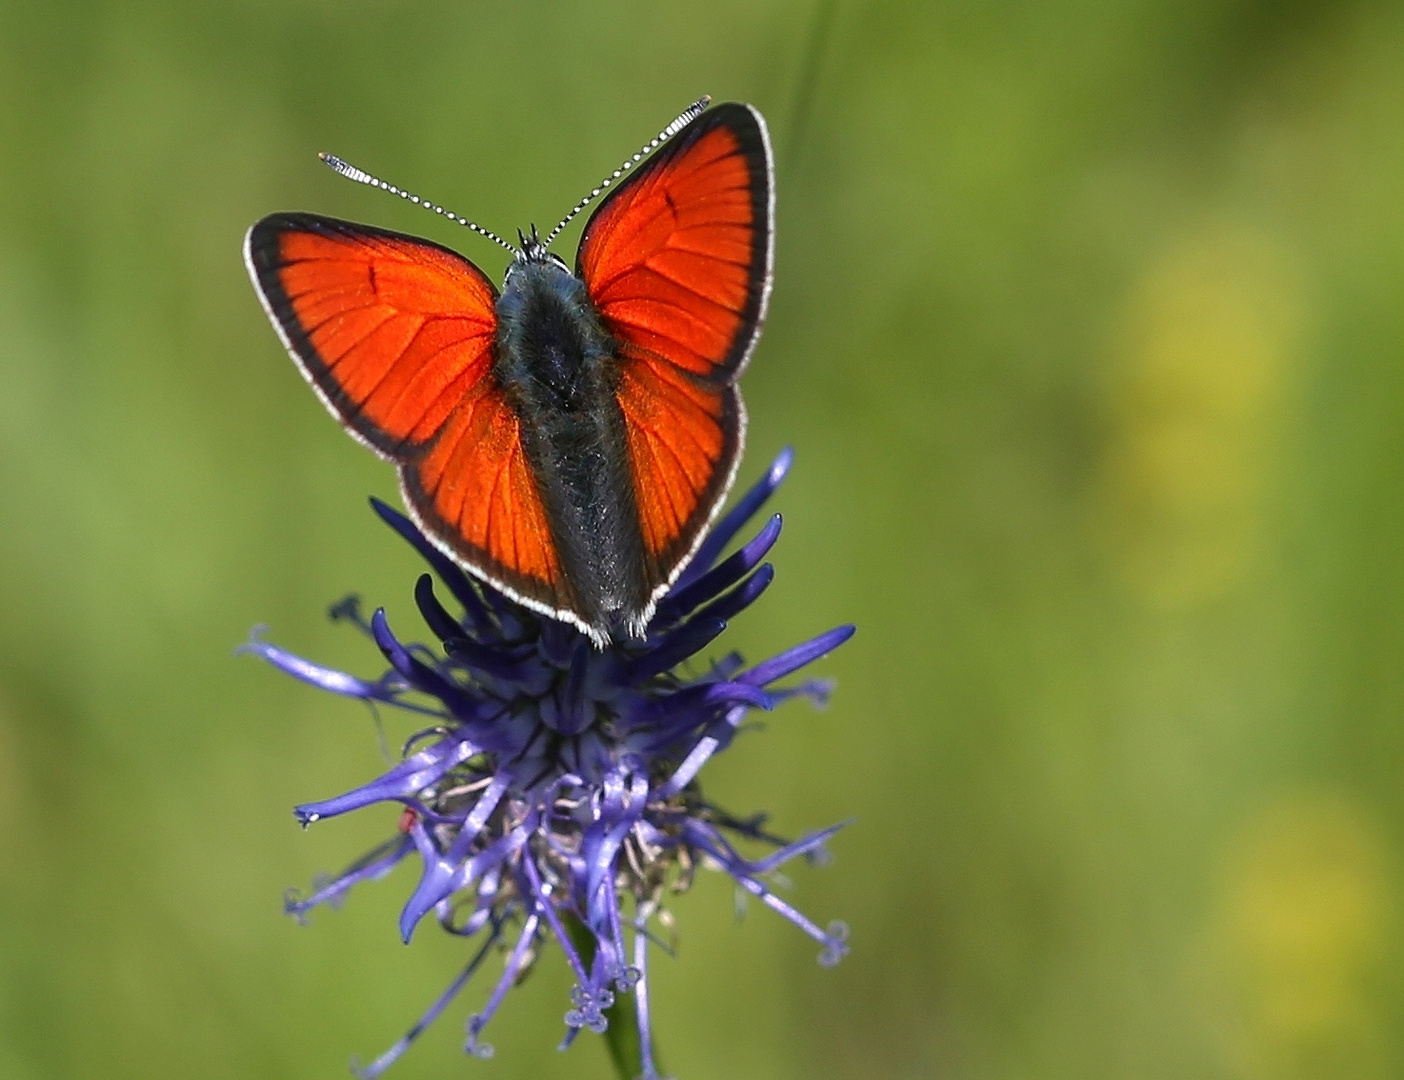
x=1301 y=923
x=1196 y=396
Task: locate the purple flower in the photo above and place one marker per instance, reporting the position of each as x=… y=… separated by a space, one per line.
x=554 y=793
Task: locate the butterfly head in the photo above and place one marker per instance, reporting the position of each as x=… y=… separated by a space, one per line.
x=534 y=250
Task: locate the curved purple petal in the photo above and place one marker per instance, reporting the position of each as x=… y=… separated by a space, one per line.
x=449 y=573
x=688 y=639
x=740 y=598
x=741 y=513
x=681 y=601
x=324 y=678
x=791 y=660
x=372 y=866
x=409 y=777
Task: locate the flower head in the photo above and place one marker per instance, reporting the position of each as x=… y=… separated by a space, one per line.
x=554 y=793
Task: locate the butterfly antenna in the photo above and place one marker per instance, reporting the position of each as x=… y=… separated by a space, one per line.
x=362 y=177
x=687 y=116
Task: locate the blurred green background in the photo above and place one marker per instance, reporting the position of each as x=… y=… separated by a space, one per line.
x=1089 y=331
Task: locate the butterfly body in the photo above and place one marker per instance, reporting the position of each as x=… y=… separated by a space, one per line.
x=569 y=437
x=558 y=367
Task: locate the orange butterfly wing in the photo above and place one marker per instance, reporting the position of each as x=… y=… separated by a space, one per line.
x=678 y=262
x=397 y=337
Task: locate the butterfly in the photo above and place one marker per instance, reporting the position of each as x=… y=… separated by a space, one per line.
x=568 y=438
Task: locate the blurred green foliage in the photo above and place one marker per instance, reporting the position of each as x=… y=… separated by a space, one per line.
x=1089 y=331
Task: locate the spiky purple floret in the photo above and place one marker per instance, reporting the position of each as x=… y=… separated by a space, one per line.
x=558 y=779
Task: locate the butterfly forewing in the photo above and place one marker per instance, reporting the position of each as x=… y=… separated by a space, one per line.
x=397 y=335
x=678 y=263
x=389 y=329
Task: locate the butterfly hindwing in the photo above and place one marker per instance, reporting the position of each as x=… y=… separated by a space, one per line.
x=397 y=336
x=683 y=436
x=678 y=262
x=474 y=490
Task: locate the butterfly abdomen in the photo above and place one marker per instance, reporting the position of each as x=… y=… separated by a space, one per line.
x=557 y=367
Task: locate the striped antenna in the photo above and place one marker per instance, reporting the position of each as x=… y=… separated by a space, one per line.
x=362 y=177
x=688 y=115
